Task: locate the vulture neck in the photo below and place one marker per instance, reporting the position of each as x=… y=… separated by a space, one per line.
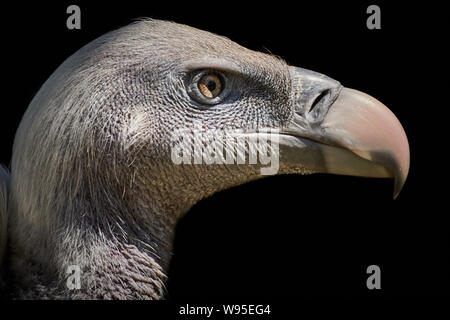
x=126 y=257
x=129 y=261
x=120 y=270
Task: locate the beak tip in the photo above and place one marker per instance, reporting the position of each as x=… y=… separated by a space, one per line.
x=399 y=182
x=398 y=186
x=402 y=167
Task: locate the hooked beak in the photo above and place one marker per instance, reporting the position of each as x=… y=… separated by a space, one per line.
x=343 y=131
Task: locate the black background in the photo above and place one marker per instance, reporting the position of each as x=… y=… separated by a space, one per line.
x=286 y=237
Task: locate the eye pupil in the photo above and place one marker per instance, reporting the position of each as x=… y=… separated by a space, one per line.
x=211 y=85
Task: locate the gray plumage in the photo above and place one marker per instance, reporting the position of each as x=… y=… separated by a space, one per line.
x=92 y=181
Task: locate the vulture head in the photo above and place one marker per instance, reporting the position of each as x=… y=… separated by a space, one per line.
x=100 y=172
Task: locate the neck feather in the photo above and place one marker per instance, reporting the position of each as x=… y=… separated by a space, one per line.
x=115 y=270
x=127 y=258
x=107 y=269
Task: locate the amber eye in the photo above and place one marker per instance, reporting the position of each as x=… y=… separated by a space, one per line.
x=210 y=85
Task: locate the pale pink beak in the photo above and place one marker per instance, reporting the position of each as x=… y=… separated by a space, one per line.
x=363 y=125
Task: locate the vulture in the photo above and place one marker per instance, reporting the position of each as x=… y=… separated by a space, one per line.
x=94 y=188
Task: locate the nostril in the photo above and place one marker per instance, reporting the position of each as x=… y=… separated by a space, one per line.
x=318 y=99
